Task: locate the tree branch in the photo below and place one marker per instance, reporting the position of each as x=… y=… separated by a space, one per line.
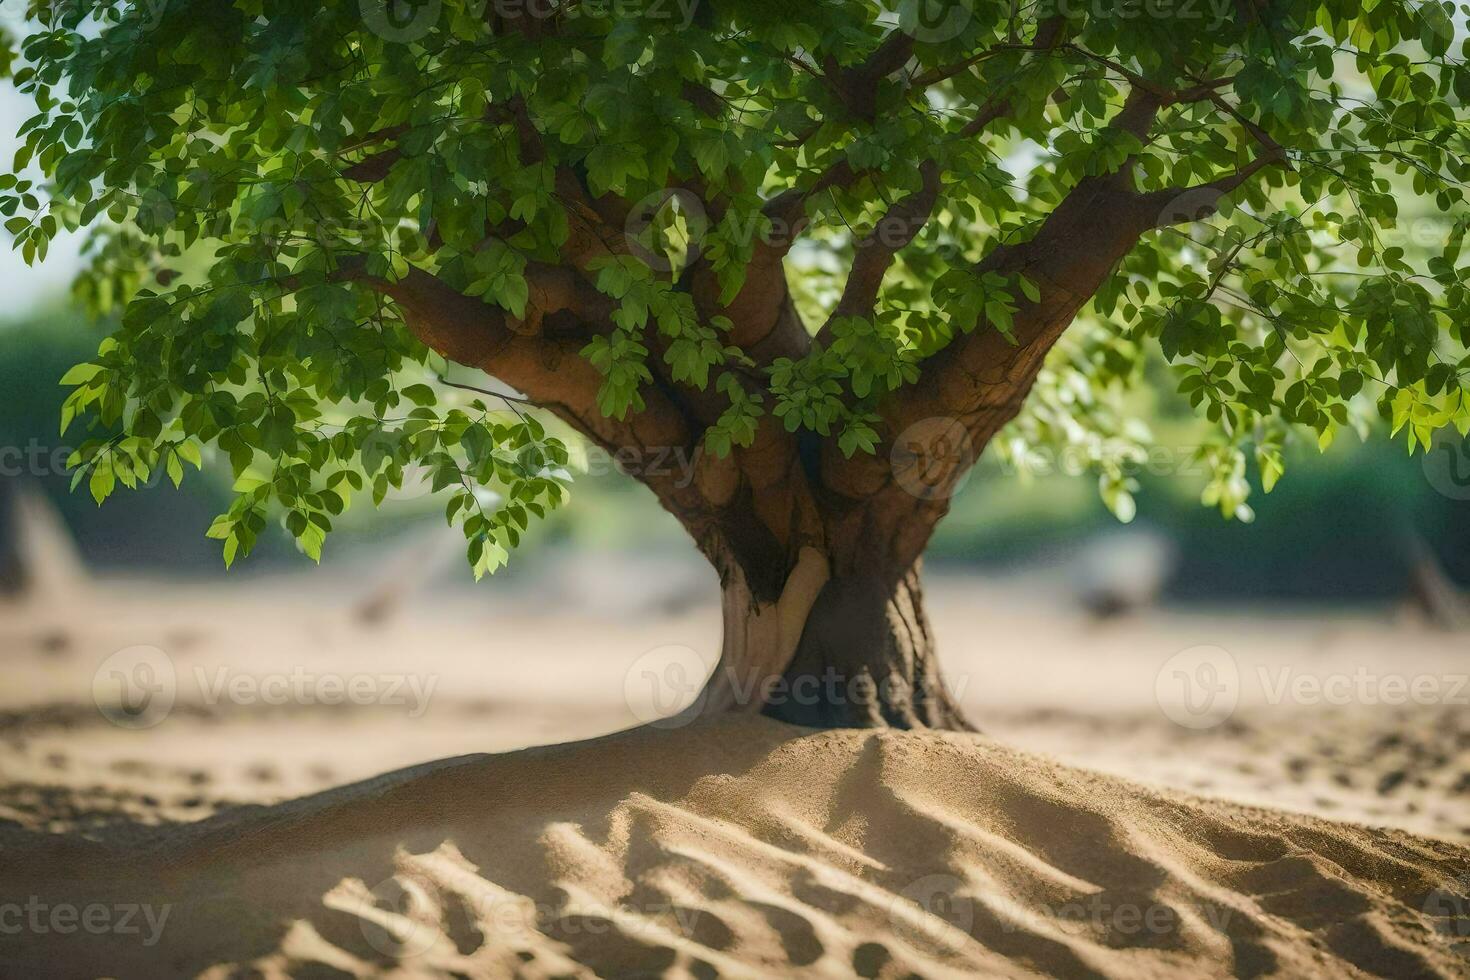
x=373 y=168
x=875 y=252
x=1048 y=33
x=857 y=88
x=977 y=384
x=1182 y=205
x=550 y=372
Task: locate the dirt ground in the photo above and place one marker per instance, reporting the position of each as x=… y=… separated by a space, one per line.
x=317 y=777
x=1356 y=716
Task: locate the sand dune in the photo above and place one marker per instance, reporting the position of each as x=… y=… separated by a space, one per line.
x=745 y=847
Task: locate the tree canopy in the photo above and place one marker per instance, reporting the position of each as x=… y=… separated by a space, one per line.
x=756 y=230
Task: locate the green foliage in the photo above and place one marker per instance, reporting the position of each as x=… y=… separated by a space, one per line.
x=207 y=146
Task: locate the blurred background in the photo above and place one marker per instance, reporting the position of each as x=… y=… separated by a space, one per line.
x=1326 y=640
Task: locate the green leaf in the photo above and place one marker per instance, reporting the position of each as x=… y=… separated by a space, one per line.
x=81 y=374
x=419 y=394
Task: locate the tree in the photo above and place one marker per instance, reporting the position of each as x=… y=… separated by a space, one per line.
x=822 y=251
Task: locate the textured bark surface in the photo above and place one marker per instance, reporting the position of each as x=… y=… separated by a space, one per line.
x=853 y=652
x=867 y=659
x=760 y=637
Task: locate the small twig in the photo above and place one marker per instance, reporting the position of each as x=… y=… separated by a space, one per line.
x=486 y=391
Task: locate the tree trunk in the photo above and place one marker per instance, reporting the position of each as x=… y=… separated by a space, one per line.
x=854 y=651
x=867 y=659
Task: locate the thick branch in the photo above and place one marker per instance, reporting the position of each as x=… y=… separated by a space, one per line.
x=755 y=505
x=875 y=253
x=857 y=88
x=765 y=322
x=548 y=370
x=373 y=168
x=969 y=390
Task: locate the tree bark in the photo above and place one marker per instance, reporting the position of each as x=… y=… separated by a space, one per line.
x=854 y=651
x=760 y=635
x=867 y=659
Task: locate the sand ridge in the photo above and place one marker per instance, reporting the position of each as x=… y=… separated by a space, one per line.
x=744 y=847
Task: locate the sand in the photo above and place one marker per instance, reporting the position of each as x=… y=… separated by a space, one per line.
x=750 y=848
x=1084 y=834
